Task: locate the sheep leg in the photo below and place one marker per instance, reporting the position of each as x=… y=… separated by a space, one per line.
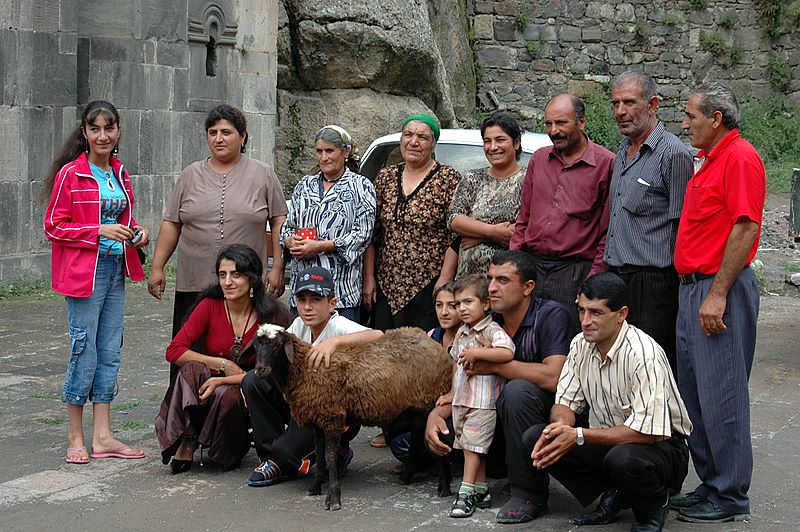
x=319 y=473
x=445 y=475
x=334 y=499
x=416 y=456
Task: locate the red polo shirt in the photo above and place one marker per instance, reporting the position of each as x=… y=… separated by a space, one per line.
x=729 y=186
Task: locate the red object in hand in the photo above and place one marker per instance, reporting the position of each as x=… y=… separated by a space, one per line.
x=306 y=233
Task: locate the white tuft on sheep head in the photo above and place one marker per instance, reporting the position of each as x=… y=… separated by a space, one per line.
x=269 y=330
x=272 y=344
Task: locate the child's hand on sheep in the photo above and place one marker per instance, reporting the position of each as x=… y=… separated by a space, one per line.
x=445 y=399
x=322 y=351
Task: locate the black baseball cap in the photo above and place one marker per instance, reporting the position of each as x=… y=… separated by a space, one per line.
x=317 y=280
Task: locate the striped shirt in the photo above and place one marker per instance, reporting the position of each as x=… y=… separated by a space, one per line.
x=632 y=386
x=344 y=214
x=478 y=391
x=646 y=201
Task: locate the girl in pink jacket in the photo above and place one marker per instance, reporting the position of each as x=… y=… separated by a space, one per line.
x=89 y=220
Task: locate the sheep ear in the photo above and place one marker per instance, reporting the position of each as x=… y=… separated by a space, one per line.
x=288 y=347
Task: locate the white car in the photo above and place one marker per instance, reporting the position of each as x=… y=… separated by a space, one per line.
x=459 y=148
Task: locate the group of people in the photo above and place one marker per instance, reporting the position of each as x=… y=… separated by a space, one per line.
x=598 y=307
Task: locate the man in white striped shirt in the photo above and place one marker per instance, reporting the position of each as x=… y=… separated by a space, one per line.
x=634 y=451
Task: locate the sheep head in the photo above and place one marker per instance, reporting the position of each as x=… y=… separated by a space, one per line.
x=270 y=340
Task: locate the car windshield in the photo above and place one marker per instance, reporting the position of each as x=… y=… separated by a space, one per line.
x=463 y=157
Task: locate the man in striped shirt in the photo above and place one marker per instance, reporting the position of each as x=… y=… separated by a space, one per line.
x=646 y=197
x=634 y=451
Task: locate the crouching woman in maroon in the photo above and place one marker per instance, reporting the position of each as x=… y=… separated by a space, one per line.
x=203 y=407
x=89 y=220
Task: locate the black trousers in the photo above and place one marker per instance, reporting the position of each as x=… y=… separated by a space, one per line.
x=275 y=434
x=653 y=304
x=184 y=301
x=419 y=312
x=522 y=404
x=560 y=280
x=644 y=474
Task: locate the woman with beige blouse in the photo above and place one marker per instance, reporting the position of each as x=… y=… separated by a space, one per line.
x=224 y=199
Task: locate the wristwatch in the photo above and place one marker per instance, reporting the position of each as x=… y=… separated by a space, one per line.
x=579 y=440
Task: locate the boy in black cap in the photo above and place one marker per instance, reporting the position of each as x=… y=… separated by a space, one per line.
x=319 y=324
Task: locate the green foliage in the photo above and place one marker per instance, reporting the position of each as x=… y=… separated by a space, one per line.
x=793 y=15
x=780 y=76
x=521 y=20
x=774 y=131
x=729 y=20
x=600 y=124
x=671 y=19
x=640 y=30
x=154 y=397
x=771 y=12
x=45 y=395
x=125 y=405
x=52 y=421
x=129 y=425
x=726 y=55
x=243 y=49
x=25 y=289
x=533 y=48
x=695 y=5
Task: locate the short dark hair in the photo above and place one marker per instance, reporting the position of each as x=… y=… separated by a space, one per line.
x=232 y=115
x=520 y=259
x=476 y=282
x=447 y=287
x=606 y=286
x=507 y=123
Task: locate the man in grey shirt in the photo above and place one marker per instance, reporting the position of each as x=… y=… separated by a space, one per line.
x=650 y=175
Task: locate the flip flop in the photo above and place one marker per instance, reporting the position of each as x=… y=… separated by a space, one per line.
x=119 y=453
x=77 y=455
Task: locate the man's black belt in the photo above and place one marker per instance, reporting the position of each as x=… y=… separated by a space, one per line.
x=692 y=278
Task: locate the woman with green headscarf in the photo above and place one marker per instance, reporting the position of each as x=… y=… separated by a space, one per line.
x=411 y=235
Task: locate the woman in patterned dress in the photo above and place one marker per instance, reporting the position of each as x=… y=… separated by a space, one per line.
x=411 y=233
x=331 y=219
x=486 y=202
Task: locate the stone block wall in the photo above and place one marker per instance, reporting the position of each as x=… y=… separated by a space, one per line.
x=148 y=58
x=530 y=50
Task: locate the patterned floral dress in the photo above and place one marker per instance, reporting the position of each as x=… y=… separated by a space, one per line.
x=411 y=233
x=482 y=197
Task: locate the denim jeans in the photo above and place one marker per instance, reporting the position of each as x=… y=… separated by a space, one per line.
x=95 y=337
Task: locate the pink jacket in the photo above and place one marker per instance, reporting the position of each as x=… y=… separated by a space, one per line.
x=71 y=223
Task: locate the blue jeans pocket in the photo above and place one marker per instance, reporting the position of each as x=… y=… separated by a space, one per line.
x=77 y=340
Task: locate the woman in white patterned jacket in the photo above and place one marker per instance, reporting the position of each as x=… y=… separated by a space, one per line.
x=331 y=218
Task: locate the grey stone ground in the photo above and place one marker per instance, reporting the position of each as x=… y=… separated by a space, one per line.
x=39 y=491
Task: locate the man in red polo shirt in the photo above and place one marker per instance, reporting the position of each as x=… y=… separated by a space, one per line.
x=718 y=305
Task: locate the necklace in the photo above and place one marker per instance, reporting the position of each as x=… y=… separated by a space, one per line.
x=236 y=349
x=334 y=180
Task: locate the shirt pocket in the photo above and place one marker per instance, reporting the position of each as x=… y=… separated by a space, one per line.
x=580 y=201
x=698 y=203
x=641 y=199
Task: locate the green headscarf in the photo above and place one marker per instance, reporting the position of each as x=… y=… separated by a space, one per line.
x=428 y=119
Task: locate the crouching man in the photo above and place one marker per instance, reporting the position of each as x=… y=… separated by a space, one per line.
x=635 y=450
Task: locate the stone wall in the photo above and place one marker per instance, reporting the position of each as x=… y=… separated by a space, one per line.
x=150 y=59
x=531 y=50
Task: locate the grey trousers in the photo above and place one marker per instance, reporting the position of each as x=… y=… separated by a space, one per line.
x=713 y=375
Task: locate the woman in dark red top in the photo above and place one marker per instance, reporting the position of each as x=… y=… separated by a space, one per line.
x=204 y=406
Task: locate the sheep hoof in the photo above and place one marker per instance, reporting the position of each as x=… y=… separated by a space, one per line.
x=315 y=491
x=333 y=503
x=407 y=476
x=445 y=491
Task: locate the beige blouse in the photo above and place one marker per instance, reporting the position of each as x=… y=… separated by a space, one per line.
x=215 y=210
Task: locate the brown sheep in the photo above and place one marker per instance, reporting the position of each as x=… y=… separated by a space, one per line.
x=398 y=377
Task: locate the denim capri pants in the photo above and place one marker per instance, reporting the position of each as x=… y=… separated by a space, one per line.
x=95 y=336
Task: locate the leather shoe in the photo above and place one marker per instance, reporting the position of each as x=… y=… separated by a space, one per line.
x=520 y=510
x=655 y=523
x=611 y=502
x=687 y=500
x=708 y=512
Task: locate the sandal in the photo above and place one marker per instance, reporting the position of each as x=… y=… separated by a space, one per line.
x=266 y=474
x=77 y=455
x=379 y=441
x=464 y=505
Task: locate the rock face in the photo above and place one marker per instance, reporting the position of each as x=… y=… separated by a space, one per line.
x=366 y=66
